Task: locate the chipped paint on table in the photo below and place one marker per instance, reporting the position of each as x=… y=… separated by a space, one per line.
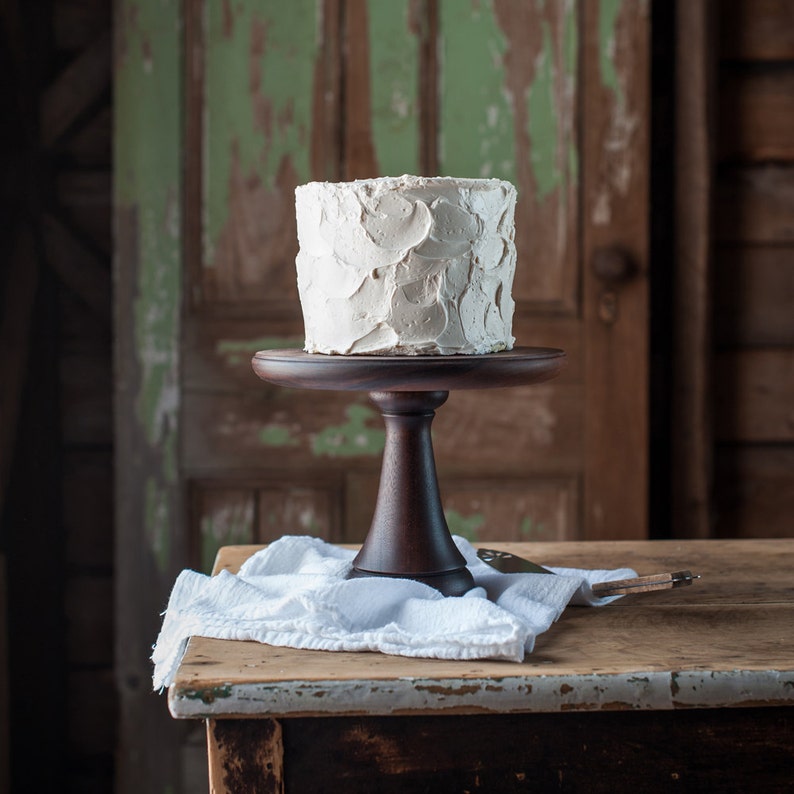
x=722 y=643
x=520 y=694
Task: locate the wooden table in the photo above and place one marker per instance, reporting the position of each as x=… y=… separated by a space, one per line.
x=676 y=690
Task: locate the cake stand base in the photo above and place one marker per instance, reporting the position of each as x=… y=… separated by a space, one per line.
x=409 y=537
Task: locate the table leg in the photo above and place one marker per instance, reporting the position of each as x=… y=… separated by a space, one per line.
x=239 y=755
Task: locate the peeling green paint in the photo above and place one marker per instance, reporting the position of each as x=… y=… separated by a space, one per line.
x=232 y=525
x=238 y=351
x=157 y=517
x=476 y=121
x=258 y=91
x=531 y=530
x=148 y=95
x=209 y=695
x=277 y=436
x=542 y=121
x=465 y=526
x=352 y=438
x=394 y=87
x=608 y=11
x=571 y=68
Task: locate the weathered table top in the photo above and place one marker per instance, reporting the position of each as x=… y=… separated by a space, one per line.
x=728 y=640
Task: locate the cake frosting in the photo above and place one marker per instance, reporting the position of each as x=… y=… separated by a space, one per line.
x=406 y=265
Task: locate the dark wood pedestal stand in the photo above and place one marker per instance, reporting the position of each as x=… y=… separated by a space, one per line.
x=409 y=537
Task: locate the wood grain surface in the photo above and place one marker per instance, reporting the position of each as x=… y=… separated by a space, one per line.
x=724 y=641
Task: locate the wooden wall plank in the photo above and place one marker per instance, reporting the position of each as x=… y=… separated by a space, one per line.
x=88 y=509
x=757 y=114
x=691 y=442
x=753 y=402
x=89 y=614
x=754 y=296
x=753 y=204
x=80 y=269
x=86 y=194
x=754 y=497
x=616 y=177
x=15 y=328
x=76 y=88
x=756 y=30
x=5 y=725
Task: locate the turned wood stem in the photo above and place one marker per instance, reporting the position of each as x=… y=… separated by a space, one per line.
x=409 y=536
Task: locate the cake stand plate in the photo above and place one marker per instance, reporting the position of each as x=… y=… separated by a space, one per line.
x=409 y=537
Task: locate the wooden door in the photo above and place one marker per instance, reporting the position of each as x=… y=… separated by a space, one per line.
x=551 y=96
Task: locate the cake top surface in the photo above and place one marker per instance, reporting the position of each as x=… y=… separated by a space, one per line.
x=409 y=181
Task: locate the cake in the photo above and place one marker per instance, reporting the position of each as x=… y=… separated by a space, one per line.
x=406 y=265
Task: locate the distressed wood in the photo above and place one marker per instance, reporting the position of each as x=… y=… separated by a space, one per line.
x=603 y=753
x=691 y=468
x=756 y=30
x=754 y=295
x=662 y=651
x=753 y=204
x=508 y=108
x=753 y=493
x=529 y=429
x=79 y=268
x=261 y=509
x=482 y=508
x=258 y=144
x=86 y=398
x=15 y=328
x=217 y=351
x=616 y=183
x=498 y=509
x=757 y=115
x=5 y=731
x=150 y=543
x=76 y=88
x=754 y=403
x=88 y=509
x=241 y=758
x=87 y=194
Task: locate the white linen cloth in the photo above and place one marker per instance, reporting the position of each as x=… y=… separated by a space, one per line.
x=296 y=593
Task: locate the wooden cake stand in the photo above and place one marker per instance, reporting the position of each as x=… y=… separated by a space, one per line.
x=409 y=536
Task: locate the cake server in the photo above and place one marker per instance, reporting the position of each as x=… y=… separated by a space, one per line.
x=511 y=563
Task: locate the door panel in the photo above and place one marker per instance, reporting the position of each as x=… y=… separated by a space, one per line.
x=552 y=96
x=487 y=89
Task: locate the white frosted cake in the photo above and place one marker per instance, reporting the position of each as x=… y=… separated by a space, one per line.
x=406 y=265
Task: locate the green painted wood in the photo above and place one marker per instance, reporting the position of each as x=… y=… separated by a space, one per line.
x=148 y=102
x=476 y=135
x=260 y=64
x=508 y=109
x=394 y=42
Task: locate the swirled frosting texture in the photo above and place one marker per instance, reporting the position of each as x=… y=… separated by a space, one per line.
x=406 y=265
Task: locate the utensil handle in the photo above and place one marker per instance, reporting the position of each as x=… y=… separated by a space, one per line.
x=643 y=584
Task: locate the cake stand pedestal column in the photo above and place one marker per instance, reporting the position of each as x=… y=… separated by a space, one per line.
x=409 y=536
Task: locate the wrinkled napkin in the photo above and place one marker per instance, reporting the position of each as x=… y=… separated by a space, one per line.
x=295 y=593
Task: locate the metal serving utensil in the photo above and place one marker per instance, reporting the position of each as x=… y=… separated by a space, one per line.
x=506 y=562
